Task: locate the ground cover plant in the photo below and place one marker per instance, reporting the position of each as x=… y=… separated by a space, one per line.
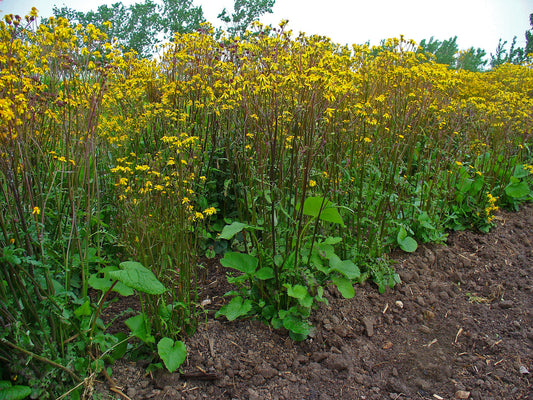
x=300 y=162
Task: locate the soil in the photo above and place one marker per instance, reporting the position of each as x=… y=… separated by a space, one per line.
x=459 y=326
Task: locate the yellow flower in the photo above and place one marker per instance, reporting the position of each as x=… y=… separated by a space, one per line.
x=312 y=183
x=210 y=211
x=36 y=211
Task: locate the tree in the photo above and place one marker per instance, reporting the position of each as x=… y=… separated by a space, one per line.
x=244 y=13
x=444 y=52
x=135 y=27
x=471 y=59
x=529 y=38
x=515 y=55
x=180 y=16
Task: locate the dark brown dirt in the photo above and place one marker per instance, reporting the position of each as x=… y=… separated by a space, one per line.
x=458 y=326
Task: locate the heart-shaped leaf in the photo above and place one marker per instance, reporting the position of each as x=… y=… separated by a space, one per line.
x=172 y=353
x=323 y=209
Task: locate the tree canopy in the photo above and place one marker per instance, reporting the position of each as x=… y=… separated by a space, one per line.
x=141 y=26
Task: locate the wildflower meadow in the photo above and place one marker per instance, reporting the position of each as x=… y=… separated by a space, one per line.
x=298 y=162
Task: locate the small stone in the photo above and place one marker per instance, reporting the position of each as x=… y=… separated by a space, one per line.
x=253 y=394
x=399 y=304
x=420 y=301
x=505 y=304
x=319 y=356
x=428 y=314
x=424 y=329
x=369 y=326
x=524 y=370
x=387 y=345
x=359 y=378
x=266 y=371
x=462 y=394
x=444 y=295
x=337 y=362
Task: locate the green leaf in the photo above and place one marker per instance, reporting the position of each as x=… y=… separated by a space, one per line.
x=296 y=291
x=477 y=185
x=517 y=189
x=140 y=328
x=240 y=261
x=402 y=234
x=172 y=353
x=136 y=276
x=264 y=273
x=119 y=350
x=17 y=392
x=405 y=242
x=346 y=267
x=520 y=171
x=344 y=285
x=332 y=240
x=231 y=230
x=84 y=309
x=236 y=308
x=323 y=209
x=296 y=325
x=408 y=244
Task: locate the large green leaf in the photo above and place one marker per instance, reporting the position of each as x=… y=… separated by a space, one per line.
x=18 y=392
x=102 y=281
x=344 y=285
x=140 y=328
x=517 y=189
x=172 y=353
x=232 y=229
x=406 y=243
x=240 y=261
x=138 y=277
x=346 y=267
x=236 y=308
x=323 y=209
x=296 y=291
x=296 y=325
x=264 y=273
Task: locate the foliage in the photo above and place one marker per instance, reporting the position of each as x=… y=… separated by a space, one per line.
x=528 y=50
x=244 y=13
x=443 y=51
x=312 y=160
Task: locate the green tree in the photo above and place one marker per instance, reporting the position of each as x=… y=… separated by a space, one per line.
x=529 y=38
x=244 y=13
x=515 y=55
x=443 y=52
x=471 y=59
x=135 y=27
x=180 y=16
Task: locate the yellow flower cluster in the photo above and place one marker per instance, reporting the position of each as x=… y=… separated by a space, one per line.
x=491 y=207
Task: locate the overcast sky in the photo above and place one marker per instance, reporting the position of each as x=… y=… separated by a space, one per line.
x=477 y=23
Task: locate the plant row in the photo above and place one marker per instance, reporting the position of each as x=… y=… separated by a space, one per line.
x=299 y=162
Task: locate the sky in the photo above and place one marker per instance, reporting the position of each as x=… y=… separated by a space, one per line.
x=476 y=23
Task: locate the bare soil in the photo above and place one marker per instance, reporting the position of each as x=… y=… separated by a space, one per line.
x=458 y=326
